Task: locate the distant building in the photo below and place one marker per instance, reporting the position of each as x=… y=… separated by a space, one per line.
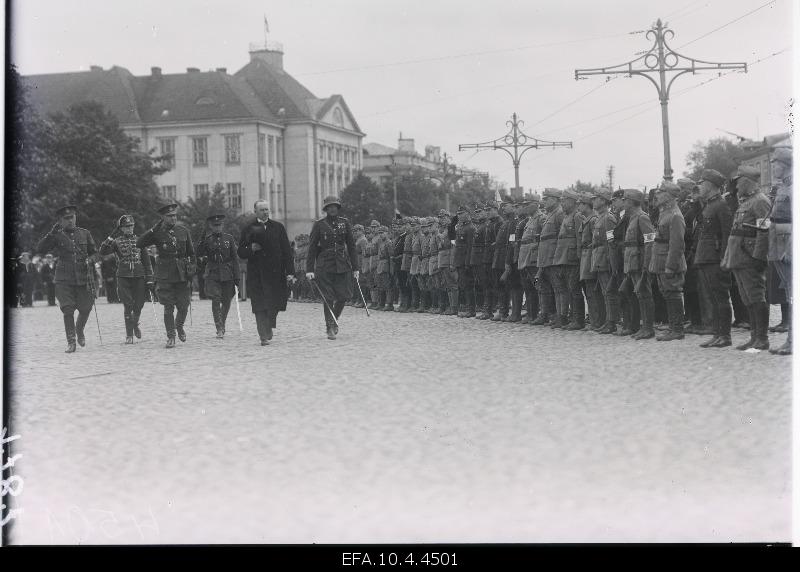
x=381 y=163
x=759 y=153
x=258 y=132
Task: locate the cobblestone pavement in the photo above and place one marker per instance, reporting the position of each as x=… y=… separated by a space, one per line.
x=408 y=428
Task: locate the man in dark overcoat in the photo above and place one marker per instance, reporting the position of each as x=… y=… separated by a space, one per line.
x=270 y=265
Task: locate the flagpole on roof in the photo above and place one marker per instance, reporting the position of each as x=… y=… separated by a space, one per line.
x=266 y=31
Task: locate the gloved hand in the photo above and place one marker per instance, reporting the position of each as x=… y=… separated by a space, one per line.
x=56 y=228
x=310 y=275
x=355 y=274
x=157 y=226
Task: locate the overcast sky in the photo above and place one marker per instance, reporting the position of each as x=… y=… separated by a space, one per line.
x=446 y=72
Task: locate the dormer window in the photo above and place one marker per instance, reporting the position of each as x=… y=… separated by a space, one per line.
x=205 y=100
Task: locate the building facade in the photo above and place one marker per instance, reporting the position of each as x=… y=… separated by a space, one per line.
x=258 y=133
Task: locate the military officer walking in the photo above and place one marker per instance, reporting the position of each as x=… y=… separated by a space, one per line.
x=332 y=261
x=134 y=273
x=174 y=269
x=746 y=255
x=222 y=270
x=74 y=283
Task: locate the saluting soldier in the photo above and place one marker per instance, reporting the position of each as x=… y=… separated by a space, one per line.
x=332 y=261
x=780 y=230
x=639 y=238
x=134 y=273
x=602 y=243
x=591 y=288
x=547 y=275
x=567 y=262
x=222 y=270
x=712 y=240
x=746 y=255
x=667 y=260
x=74 y=284
x=174 y=269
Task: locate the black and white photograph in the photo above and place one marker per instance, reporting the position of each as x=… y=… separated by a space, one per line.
x=441 y=272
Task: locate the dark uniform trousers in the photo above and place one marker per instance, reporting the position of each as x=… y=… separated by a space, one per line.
x=527 y=277
x=221 y=294
x=552 y=281
x=595 y=302
x=569 y=296
x=174 y=295
x=717 y=284
x=466 y=287
x=609 y=286
x=671 y=285
x=752 y=283
x=130 y=290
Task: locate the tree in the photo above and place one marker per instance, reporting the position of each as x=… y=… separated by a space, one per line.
x=719 y=153
x=363 y=201
x=194 y=212
x=417 y=196
x=80 y=157
x=471 y=191
x=582 y=187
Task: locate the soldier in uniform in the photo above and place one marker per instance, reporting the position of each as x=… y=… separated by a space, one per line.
x=638 y=244
x=602 y=251
x=476 y=261
x=566 y=260
x=714 y=230
x=134 y=273
x=424 y=260
x=382 y=276
x=493 y=222
x=174 y=269
x=332 y=260
x=527 y=252
x=108 y=269
x=405 y=265
x=360 y=239
x=447 y=273
x=594 y=297
x=222 y=270
x=667 y=260
x=629 y=304
x=416 y=255
x=465 y=236
x=368 y=264
x=548 y=276
x=780 y=231
x=746 y=255
x=500 y=247
x=433 y=258
x=76 y=254
x=397 y=274
x=513 y=279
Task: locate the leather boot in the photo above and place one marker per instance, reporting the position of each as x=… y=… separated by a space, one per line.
x=452 y=309
x=626 y=319
x=79 y=325
x=423 y=301
x=748 y=344
x=135 y=319
x=675 y=315
x=69 y=330
x=516 y=305
x=647 y=310
x=761 y=314
x=786 y=348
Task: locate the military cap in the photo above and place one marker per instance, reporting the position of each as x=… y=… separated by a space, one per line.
x=618 y=194
x=585 y=198
x=357 y=227
x=686 y=184
x=782 y=154
x=169 y=209
x=330 y=200
x=712 y=176
x=669 y=187
x=551 y=192
x=425 y=221
x=570 y=194
x=602 y=193
x=67 y=210
x=216 y=218
x=748 y=173
x=383 y=228
x=634 y=195
x=374 y=223
x=125 y=220
x=490 y=205
x=461 y=209
x=415 y=221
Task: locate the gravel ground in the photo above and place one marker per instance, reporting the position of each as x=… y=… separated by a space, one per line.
x=408 y=428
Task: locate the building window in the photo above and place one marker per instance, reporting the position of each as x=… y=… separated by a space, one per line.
x=234 y=194
x=200 y=190
x=271 y=151
x=200 y=151
x=262 y=189
x=279 y=152
x=277 y=202
x=321 y=151
x=232 y=152
x=169 y=192
x=262 y=149
x=168 y=150
x=338 y=155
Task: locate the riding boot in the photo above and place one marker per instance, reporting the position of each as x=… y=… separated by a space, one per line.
x=761 y=314
x=675 y=315
x=648 y=310
x=747 y=345
x=69 y=330
x=79 y=326
x=516 y=305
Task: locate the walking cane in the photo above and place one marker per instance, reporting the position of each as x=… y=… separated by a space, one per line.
x=324 y=301
x=362 y=297
x=90 y=286
x=238 y=313
x=153 y=302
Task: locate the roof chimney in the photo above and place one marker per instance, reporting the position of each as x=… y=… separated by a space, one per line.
x=96 y=68
x=155 y=72
x=222 y=70
x=192 y=70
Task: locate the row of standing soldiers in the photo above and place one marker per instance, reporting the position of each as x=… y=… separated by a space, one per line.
x=566 y=252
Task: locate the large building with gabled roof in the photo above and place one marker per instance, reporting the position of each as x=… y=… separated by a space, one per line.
x=258 y=132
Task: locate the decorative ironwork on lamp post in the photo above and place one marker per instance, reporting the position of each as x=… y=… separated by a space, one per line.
x=660 y=60
x=518 y=142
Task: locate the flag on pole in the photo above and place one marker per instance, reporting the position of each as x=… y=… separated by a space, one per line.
x=266 y=24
